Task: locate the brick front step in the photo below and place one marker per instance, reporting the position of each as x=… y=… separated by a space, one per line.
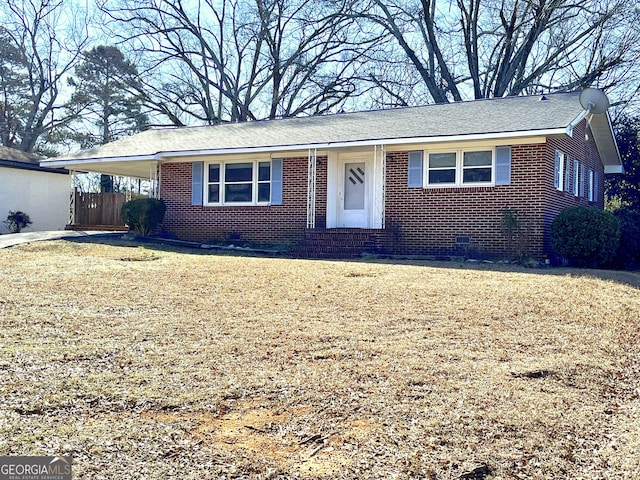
x=343 y=242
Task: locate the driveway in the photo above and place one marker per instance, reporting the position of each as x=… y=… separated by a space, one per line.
x=11 y=239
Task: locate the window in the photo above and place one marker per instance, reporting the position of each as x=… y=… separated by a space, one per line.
x=264 y=181
x=460 y=168
x=214 y=183
x=590 y=186
x=442 y=169
x=558 y=172
x=241 y=183
x=476 y=167
x=238 y=183
x=567 y=174
x=576 y=178
x=582 y=180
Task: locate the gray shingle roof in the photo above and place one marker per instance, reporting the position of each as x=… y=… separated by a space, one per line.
x=494 y=116
x=12 y=158
x=13 y=155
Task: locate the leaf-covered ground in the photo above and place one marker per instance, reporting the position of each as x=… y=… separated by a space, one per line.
x=152 y=363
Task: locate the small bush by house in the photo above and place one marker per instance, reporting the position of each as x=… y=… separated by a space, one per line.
x=143 y=215
x=585 y=236
x=16 y=221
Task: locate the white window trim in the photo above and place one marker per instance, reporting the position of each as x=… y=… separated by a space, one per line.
x=254 y=181
x=590 y=183
x=558 y=174
x=459 y=168
x=576 y=178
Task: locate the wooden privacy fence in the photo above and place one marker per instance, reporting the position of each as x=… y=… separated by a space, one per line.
x=98 y=209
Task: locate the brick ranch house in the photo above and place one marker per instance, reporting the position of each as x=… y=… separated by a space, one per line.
x=431 y=180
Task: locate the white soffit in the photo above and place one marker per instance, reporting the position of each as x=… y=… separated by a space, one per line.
x=605 y=142
x=121 y=167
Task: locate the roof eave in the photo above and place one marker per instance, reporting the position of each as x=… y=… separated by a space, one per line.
x=34 y=167
x=613 y=169
x=581 y=116
x=310 y=146
x=66 y=162
x=605 y=140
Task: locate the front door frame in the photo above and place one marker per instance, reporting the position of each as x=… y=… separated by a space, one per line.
x=374 y=189
x=355 y=218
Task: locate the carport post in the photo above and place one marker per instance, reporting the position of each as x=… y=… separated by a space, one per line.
x=72 y=196
x=154 y=187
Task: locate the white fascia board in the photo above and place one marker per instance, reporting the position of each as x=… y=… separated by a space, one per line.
x=80 y=161
x=613 y=169
x=615 y=142
x=576 y=121
x=366 y=143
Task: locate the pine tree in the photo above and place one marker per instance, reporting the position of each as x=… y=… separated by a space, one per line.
x=106 y=101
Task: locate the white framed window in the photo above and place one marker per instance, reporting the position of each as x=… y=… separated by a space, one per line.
x=212 y=195
x=576 y=178
x=238 y=183
x=441 y=168
x=558 y=171
x=457 y=168
x=590 y=186
x=477 y=166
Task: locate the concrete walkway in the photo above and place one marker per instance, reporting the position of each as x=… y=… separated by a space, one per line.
x=11 y=239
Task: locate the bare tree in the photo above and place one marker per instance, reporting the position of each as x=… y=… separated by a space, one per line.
x=43 y=39
x=209 y=61
x=311 y=51
x=493 y=48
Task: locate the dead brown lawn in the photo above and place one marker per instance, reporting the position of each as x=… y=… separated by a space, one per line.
x=190 y=366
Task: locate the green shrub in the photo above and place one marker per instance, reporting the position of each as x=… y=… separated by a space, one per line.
x=628 y=253
x=514 y=233
x=143 y=215
x=585 y=236
x=16 y=221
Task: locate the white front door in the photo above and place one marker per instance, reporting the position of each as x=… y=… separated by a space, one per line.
x=354 y=199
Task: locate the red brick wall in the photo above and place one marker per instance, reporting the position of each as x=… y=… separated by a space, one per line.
x=276 y=224
x=421 y=221
x=427 y=221
x=580 y=147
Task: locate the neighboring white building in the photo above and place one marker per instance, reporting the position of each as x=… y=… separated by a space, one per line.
x=40 y=192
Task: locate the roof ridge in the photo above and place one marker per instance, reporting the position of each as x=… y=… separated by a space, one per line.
x=357 y=112
x=472 y=117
